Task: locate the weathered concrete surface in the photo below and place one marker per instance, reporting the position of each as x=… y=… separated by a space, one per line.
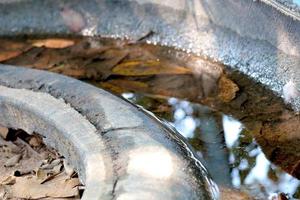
x=143 y=159
x=63 y=129
x=259 y=38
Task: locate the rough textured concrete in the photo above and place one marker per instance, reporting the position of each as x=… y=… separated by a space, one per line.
x=259 y=38
x=143 y=159
x=63 y=129
x=292 y=5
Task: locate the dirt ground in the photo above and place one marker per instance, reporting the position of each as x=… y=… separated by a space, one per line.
x=31 y=170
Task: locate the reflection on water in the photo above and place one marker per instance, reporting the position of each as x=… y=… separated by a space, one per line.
x=296 y=2
x=230 y=152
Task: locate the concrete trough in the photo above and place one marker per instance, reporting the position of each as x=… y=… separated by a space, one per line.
x=260 y=39
x=119 y=151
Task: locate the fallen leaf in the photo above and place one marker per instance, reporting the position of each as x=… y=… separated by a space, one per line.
x=55 y=43
x=149 y=67
x=50 y=177
x=59 y=187
x=13 y=160
x=63 y=69
x=111 y=87
x=6 y=55
x=102 y=65
x=10 y=49
x=3 y=132
x=7 y=44
x=35 y=141
x=131 y=85
x=10 y=180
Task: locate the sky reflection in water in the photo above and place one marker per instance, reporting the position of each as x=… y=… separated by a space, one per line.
x=297 y=2
x=231 y=154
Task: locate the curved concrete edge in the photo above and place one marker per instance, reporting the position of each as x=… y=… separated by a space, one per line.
x=253 y=37
x=62 y=128
x=146 y=159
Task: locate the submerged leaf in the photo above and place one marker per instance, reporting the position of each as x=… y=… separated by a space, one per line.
x=149 y=67
x=6 y=55
x=55 y=43
x=130 y=85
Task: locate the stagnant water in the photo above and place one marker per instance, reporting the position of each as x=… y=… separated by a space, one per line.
x=225 y=141
x=230 y=152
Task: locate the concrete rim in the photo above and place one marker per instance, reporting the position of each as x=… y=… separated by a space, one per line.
x=125 y=139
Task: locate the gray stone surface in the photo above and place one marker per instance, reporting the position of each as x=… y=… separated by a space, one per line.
x=142 y=158
x=258 y=38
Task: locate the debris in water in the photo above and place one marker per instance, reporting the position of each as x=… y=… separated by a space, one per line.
x=54 y=43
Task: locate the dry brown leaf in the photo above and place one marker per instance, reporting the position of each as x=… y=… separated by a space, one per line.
x=3 y=132
x=76 y=73
x=111 y=87
x=35 y=141
x=55 y=43
x=7 y=44
x=10 y=180
x=6 y=55
x=130 y=85
x=50 y=177
x=149 y=67
x=102 y=67
x=59 y=187
x=11 y=49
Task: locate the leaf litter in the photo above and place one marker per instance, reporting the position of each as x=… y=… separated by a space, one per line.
x=31 y=170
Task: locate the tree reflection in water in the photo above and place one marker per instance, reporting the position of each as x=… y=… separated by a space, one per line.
x=230 y=152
